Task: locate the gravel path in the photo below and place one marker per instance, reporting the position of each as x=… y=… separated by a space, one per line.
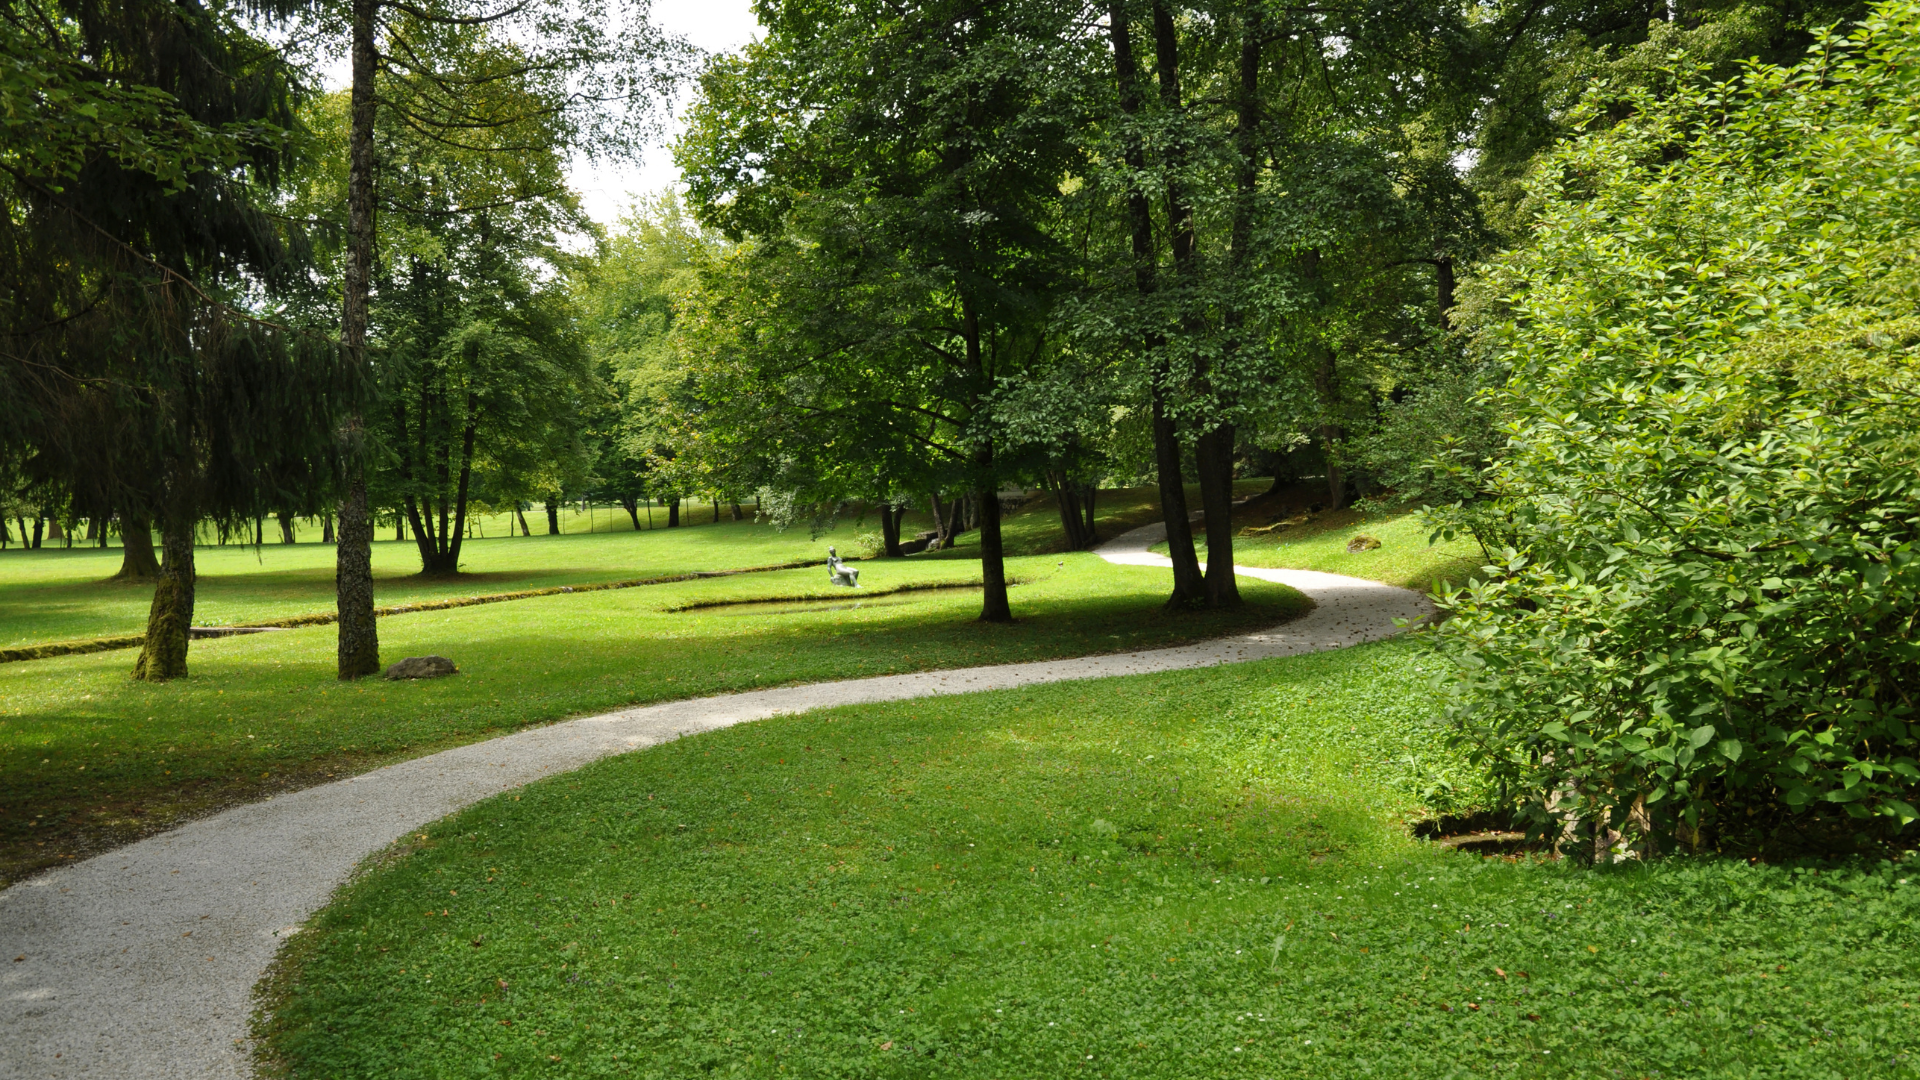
x=141 y=962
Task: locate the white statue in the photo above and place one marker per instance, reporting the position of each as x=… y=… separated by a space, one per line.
x=840 y=573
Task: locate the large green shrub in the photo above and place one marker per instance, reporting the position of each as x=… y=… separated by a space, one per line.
x=1702 y=624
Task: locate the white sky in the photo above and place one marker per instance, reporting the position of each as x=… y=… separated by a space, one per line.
x=713 y=25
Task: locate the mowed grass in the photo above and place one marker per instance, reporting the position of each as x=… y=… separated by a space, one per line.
x=92 y=758
x=1405 y=556
x=58 y=594
x=1196 y=874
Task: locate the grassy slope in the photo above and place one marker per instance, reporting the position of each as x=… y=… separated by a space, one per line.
x=1203 y=875
x=1403 y=558
x=93 y=758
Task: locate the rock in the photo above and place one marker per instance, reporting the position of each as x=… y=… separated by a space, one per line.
x=1361 y=543
x=422 y=667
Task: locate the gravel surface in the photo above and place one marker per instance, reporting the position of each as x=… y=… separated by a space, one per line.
x=142 y=962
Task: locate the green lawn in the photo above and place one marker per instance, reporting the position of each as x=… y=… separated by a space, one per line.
x=92 y=758
x=1197 y=874
x=1404 y=557
x=58 y=594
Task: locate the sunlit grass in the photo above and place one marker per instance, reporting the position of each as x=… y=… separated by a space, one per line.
x=92 y=757
x=1195 y=874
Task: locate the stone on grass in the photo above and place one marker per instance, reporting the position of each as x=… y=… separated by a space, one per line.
x=422 y=667
x=1361 y=543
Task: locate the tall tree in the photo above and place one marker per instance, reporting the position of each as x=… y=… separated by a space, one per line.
x=609 y=68
x=142 y=141
x=901 y=168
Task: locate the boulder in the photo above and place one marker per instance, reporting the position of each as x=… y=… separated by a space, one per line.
x=1361 y=543
x=422 y=667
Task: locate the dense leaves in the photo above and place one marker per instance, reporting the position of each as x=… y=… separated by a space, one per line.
x=1701 y=620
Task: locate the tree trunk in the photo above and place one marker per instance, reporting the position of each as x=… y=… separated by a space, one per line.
x=1065 y=492
x=1213 y=451
x=164 y=654
x=359 y=647
x=286 y=528
x=452 y=548
x=94 y=531
x=994 y=607
x=359 y=639
x=1215 y=459
x=632 y=507
x=890 y=517
x=54 y=531
x=39 y=530
x=326 y=528
x=673 y=512
x=553 y=518
x=1187 y=585
x=136 y=560
x=520 y=513
x=1093 y=529
x=1444 y=289
x=736 y=511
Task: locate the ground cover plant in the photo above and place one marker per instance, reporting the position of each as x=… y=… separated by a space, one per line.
x=1207 y=875
x=94 y=758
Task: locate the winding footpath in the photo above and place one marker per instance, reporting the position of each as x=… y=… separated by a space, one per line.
x=141 y=963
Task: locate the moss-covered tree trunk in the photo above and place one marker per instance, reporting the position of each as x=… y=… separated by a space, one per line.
x=164 y=656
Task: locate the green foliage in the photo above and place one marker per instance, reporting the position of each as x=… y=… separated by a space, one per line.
x=1203 y=876
x=1701 y=624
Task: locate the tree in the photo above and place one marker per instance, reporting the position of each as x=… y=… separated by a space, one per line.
x=474 y=337
x=899 y=169
x=633 y=301
x=141 y=142
x=609 y=68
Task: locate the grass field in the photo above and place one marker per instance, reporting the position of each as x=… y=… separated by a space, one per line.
x=1197 y=874
x=1405 y=557
x=58 y=594
x=92 y=758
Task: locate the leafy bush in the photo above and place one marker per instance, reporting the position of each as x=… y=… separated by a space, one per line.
x=1702 y=625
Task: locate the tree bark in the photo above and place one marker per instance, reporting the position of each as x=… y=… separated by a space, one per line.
x=632 y=506
x=673 y=512
x=522 y=515
x=164 y=654
x=1072 y=519
x=736 y=511
x=326 y=528
x=452 y=565
x=553 y=517
x=286 y=528
x=359 y=638
x=994 y=607
x=1214 y=454
x=136 y=560
x=359 y=648
x=890 y=516
x=39 y=530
